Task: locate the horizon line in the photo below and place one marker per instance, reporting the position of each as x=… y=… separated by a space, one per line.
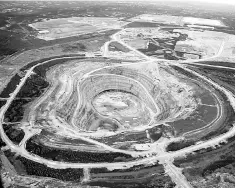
x=225 y=2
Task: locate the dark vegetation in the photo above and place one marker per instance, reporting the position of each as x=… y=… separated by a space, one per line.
x=2 y=103
x=15 y=111
x=14 y=114
x=28 y=167
x=222 y=166
x=121 y=182
x=138 y=176
x=139 y=168
x=2 y=144
x=9 y=42
x=33 y=87
x=11 y=86
x=68 y=155
x=99 y=170
x=210 y=160
x=216 y=63
x=175 y=146
x=225 y=77
x=14 y=133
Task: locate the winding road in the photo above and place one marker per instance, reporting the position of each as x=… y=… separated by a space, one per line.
x=165 y=158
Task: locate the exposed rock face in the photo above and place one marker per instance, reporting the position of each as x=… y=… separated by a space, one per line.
x=91 y=97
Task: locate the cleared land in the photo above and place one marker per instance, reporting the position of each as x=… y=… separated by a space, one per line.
x=176 y=20
x=66 y=27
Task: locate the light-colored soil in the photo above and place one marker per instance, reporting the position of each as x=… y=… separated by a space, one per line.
x=176 y=20
x=66 y=27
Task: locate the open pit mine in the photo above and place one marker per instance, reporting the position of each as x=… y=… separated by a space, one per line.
x=108 y=119
x=82 y=116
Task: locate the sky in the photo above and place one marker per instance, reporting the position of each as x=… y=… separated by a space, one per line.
x=230 y=2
